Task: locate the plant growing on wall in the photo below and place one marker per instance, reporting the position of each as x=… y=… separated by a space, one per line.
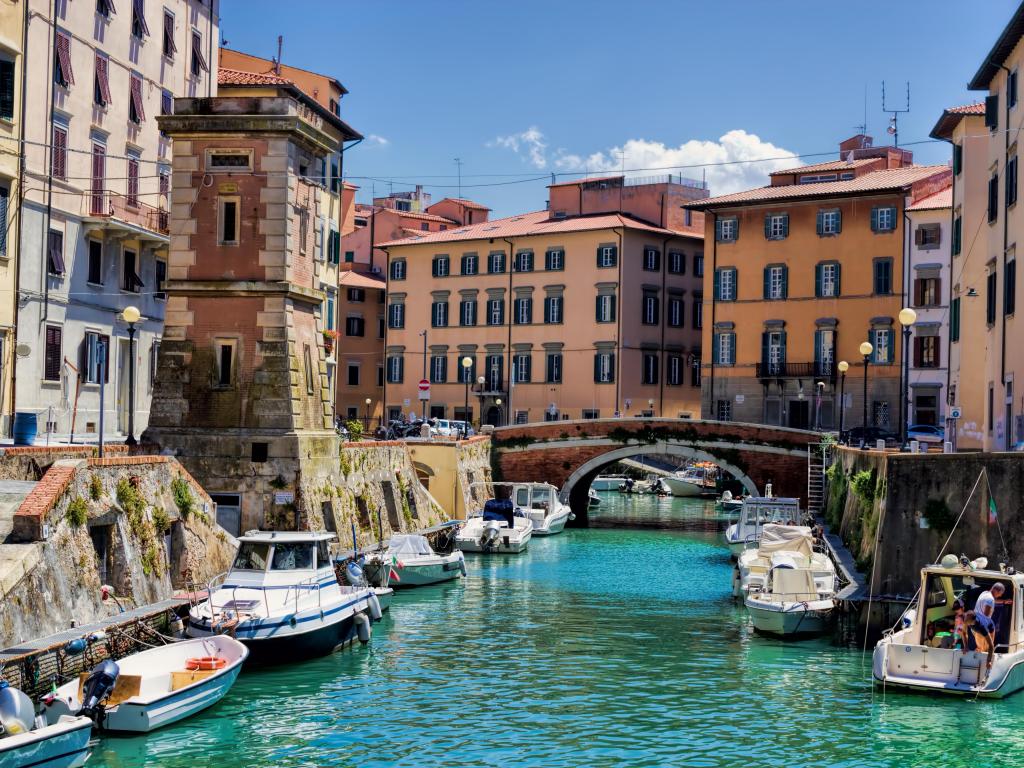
x=95 y=488
x=863 y=484
x=355 y=429
x=78 y=512
x=939 y=516
x=182 y=497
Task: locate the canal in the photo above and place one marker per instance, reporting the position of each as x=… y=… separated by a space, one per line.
x=601 y=647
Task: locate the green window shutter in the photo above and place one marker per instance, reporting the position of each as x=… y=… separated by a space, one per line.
x=767 y=282
x=599 y=250
x=736 y=229
x=718 y=285
x=821 y=222
x=7 y=90
x=715 y=348
x=782 y=349
x=992 y=111
x=597 y=366
x=874 y=219
x=732 y=348
x=817 y=278
x=612 y=299
x=817 y=349
x=735 y=284
x=433 y=267
x=611 y=366
x=891 y=347
x=839 y=272
x=785 y=225
x=957 y=227
x=597 y=309
x=718 y=230
x=765 y=336
x=839 y=222
x=954 y=320
x=3 y=219
x=785 y=282
x=958 y=158
x=767 y=226
x=615 y=255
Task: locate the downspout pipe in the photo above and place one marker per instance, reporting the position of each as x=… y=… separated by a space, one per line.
x=714 y=307
x=904 y=335
x=20 y=208
x=1006 y=237
x=949 y=302
x=508 y=321
x=619 y=345
x=387 y=330
x=663 y=372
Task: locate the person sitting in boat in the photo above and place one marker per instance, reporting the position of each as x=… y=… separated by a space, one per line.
x=959 y=626
x=980 y=633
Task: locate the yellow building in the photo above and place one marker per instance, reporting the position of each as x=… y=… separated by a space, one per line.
x=802 y=272
x=12 y=25
x=591 y=308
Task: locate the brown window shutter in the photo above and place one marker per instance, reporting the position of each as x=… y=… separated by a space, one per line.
x=918 y=343
x=918 y=290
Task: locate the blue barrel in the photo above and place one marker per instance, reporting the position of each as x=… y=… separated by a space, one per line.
x=25 y=428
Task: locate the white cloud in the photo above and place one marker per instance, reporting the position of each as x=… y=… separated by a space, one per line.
x=530 y=143
x=373 y=138
x=737 y=160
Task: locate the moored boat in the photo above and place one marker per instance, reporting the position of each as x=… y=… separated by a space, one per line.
x=729 y=503
x=497 y=528
x=539 y=503
x=283 y=600
x=789 y=605
x=757 y=511
x=698 y=480
x=413 y=563
x=607 y=482
x=25 y=741
x=783 y=546
x=593 y=500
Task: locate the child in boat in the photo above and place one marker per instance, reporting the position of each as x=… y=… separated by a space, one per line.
x=959 y=627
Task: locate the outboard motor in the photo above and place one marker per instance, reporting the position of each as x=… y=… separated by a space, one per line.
x=17 y=714
x=98 y=686
x=354 y=574
x=490 y=534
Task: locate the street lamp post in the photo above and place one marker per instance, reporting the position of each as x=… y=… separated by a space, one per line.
x=501 y=412
x=467 y=363
x=480 y=382
x=907 y=319
x=131 y=316
x=843 y=368
x=366 y=418
x=865 y=349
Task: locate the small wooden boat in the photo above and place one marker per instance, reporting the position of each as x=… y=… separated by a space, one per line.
x=154 y=688
x=25 y=741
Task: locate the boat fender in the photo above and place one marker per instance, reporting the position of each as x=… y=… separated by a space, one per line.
x=375 y=610
x=462 y=565
x=363 y=628
x=354 y=574
x=205 y=663
x=76 y=646
x=177 y=627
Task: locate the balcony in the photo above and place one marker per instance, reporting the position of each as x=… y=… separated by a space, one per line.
x=787 y=370
x=131 y=219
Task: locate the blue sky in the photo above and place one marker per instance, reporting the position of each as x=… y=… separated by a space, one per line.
x=523 y=89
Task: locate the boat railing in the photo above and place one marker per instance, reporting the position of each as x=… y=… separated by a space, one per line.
x=217 y=583
x=308 y=584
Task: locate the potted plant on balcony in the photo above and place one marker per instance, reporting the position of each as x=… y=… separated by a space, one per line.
x=329 y=337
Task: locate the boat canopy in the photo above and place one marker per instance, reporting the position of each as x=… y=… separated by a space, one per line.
x=788 y=538
x=409 y=544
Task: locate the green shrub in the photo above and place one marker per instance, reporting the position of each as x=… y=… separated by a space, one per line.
x=95 y=488
x=182 y=497
x=939 y=516
x=78 y=512
x=133 y=504
x=355 y=429
x=863 y=484
x=161 y=521
x=151 y=560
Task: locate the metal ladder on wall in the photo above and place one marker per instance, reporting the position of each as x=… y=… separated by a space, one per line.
x=816 y=465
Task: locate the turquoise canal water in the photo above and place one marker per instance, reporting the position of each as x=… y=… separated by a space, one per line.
x=599 y=647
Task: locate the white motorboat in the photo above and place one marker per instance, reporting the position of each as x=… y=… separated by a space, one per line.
x=729 y=503
x=607 y=482
x=497 y=528
x=757 y=511
x=698 y=480
x=28 y=741
x=783 y=546
x=413 y=563
x=593 y=500
x=789 y=605
x=283 y=600
x=154 y=688
x=540 y=503
x=907 y=659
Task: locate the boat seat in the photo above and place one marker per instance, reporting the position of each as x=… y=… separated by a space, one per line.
x=185 y=677
x=125 y=688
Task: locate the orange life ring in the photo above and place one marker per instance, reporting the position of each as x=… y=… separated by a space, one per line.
x=206 y=663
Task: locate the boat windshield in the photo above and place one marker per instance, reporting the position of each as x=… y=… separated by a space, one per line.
x=292 y=556
x=252 y=556
x=941 y=591
x=759 y=514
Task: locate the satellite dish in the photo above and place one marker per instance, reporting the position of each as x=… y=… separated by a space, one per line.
x=23 y=350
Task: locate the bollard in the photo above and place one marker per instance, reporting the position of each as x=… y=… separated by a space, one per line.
x=947 y=447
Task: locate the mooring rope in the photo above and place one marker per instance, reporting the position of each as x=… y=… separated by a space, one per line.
x=999 y=527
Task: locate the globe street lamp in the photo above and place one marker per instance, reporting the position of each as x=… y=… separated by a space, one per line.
x=865 y=349
x=480 y=383
x=843 y=368
x=501 y=413
x=131 y=315
x=907 y=319
x=366 y=418
x=467 y=363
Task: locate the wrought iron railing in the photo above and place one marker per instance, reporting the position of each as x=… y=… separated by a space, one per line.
x=114 y=205
x=788 y=370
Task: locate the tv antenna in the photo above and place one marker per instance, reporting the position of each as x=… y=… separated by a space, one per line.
x=458 y=165
x=894 y=125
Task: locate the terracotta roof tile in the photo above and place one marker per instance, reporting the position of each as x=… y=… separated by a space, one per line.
x=368 y=209
x=875 y=181
x=467 y=203
x=832 y=165
x=238 y=77
x=938 y=201
x=951 y=116
x=361 y=280
x=978 y=108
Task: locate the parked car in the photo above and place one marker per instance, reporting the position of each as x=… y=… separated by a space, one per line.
x=926 y=433
x=869 y=435
x=442 y=427
x=462 y=429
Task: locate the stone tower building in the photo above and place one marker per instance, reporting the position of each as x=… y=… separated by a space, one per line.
x=241 y=393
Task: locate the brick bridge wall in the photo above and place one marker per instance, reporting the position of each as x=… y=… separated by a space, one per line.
x=553 y=451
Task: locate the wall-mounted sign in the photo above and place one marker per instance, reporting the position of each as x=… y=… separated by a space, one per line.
x=227 y=188
x=740 y=398
x=284 y=497
x=955 y=412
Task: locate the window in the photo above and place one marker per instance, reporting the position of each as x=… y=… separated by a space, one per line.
x=554 y=260
x=1011 y=89
x=101 y=89
x=677 y=262
x=133 y=182
x=990 y=298
x=467 y=312
x=53 y=358
x=725 y=284
x=55 y=252
x=307 y=355
x=95 y=276
x=824 y=351
x=591 y=413
x=954 y=319
x=652 y=260
x=99 y=170
x=698 y=264
x=469 y=264
x=776 y=279
x=650 y=368
x=927 y=236
x=675 y=311
x=883 y=218
x=62 y=72
x=357 y=295
x=439 y=369
x=398 y=269
x=396 y=369
x=605 y=308
x=776 y=226
x=927 y=292
x=228 y=227
x=396 y=316
x=169 y=47
x=698 y=312
x=723 y=410
x=381 y=327
x=674 y=371
x=95 y=360
x=1010 y=288
x=523 y=262
x=495 y=372
x=1011 y=181
x=440 y=266
x=725 y=348
x=958 y=159
x=523 y=310
x=333 y=244
x=521 y=364
x=495 y=311
x=604 y=367
x=957 y=235
x=496 y=263
x=59 y=152
x=198 y=62
x=826 y=279
x=439 y=314
x=830 y=222
x=883 y=276
x=607 y=256
x=353 y=375
x=773 y=352
x=695 y=370
x=229 y=160
x=882 y=341
x=553 y=368
x=993 y=197
x=130 y=280
x=926 y=352
x=161 y=278
x=356 y=326
x=139 y=27
x=651 y=309
x=553 y=309
x=727 y=230
x=105 y=8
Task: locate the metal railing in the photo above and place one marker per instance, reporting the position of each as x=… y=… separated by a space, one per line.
x=788 y=370
x=113 y=205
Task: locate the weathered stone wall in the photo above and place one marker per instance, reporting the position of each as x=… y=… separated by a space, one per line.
x=449 y=468
x=912 y=502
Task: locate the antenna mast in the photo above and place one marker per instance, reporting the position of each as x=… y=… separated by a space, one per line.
x=894 y=126
x=458 y=165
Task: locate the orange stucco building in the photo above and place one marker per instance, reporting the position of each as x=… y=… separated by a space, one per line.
x=801 y=273
x=588 y=309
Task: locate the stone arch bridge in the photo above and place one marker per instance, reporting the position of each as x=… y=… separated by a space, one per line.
x=570 y=454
